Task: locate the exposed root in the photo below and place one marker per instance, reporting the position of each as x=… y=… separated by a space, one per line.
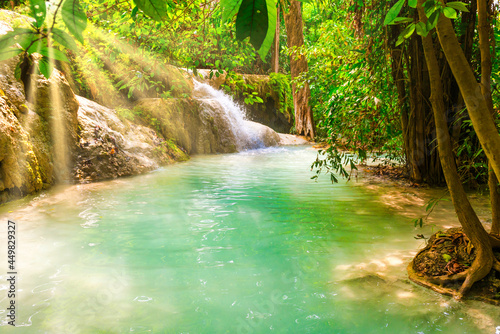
x=445 y=279
x=450 y=265
x=421 y=280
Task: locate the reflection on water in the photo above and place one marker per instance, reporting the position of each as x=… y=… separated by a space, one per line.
x=241 y=243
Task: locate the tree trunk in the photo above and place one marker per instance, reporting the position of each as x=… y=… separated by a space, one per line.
x=410 y=77
x=471 y=225
x=480 y=115
x=304 y=123
x=275 y=64
x=484 y=46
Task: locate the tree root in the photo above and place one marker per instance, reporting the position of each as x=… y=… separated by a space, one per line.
x=481 y=266
x=445 y=279
x=422 y=280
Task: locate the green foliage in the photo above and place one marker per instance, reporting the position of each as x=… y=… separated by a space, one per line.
x=255 y=19
x=433 y=9
x=252 y=21
x=74 y=18
x=38 y=12
x=193 y=34
x=333 y=164
x=235 y=84
x=394 y=12
x=40 y=36
x=354 y=100
x=280 y=83
x=156 y=9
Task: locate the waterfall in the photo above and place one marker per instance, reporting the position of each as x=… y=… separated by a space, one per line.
x=219 y=104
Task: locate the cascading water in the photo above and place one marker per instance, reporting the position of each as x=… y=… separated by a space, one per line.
x=245 y=135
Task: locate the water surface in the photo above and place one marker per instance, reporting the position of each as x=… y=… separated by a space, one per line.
x=238 y=243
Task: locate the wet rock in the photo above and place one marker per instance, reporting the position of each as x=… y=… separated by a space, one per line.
x=11 y=87
x=188 y=122
x=110 y=146
x=268 y=136
x=287 y=139
x=26 y=128
x=23 y=160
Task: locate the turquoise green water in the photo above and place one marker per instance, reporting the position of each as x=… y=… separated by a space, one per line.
x=240 y=243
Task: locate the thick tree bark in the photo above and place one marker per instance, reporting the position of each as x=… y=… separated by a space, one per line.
x=484 y=46
x=468 y=219
x=411 y=80
x=480 y=115
x=275 y=64
x=304 y=123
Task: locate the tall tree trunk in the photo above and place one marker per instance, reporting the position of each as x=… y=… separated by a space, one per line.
x=304 y=123
x=480 y=115
x=484 y=46
x=275 y=64
x=468 y=219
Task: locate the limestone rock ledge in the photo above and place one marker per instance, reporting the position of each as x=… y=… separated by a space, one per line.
x=111 y=147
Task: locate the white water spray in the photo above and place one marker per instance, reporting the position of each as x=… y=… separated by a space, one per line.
x=246 y=136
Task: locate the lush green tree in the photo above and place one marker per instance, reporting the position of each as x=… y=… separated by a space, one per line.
x=437 y=14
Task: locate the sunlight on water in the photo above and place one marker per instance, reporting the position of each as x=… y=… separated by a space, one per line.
x=240 y=243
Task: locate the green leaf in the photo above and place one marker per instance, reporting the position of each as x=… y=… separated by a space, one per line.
x=252 y=21
x=447 y=257
x=450 y=13
x=45 y=66
x=393 y=12
x=271 y=29
x=7 y=40
x=53 y=53
x=408 y=31
x=155 y=9
x=412 y=3
x=230 y=9
x=38 y=12
x=27 y=39
x=74 y=18
x=63 y=38
x=400 y=40
x=458 y=6
x=428 y=5
x=13 y=37
x=402 y=20
x=433 y=20
x=134 y=12
x=36 y=46
x=420 y=28
x=9 y=53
